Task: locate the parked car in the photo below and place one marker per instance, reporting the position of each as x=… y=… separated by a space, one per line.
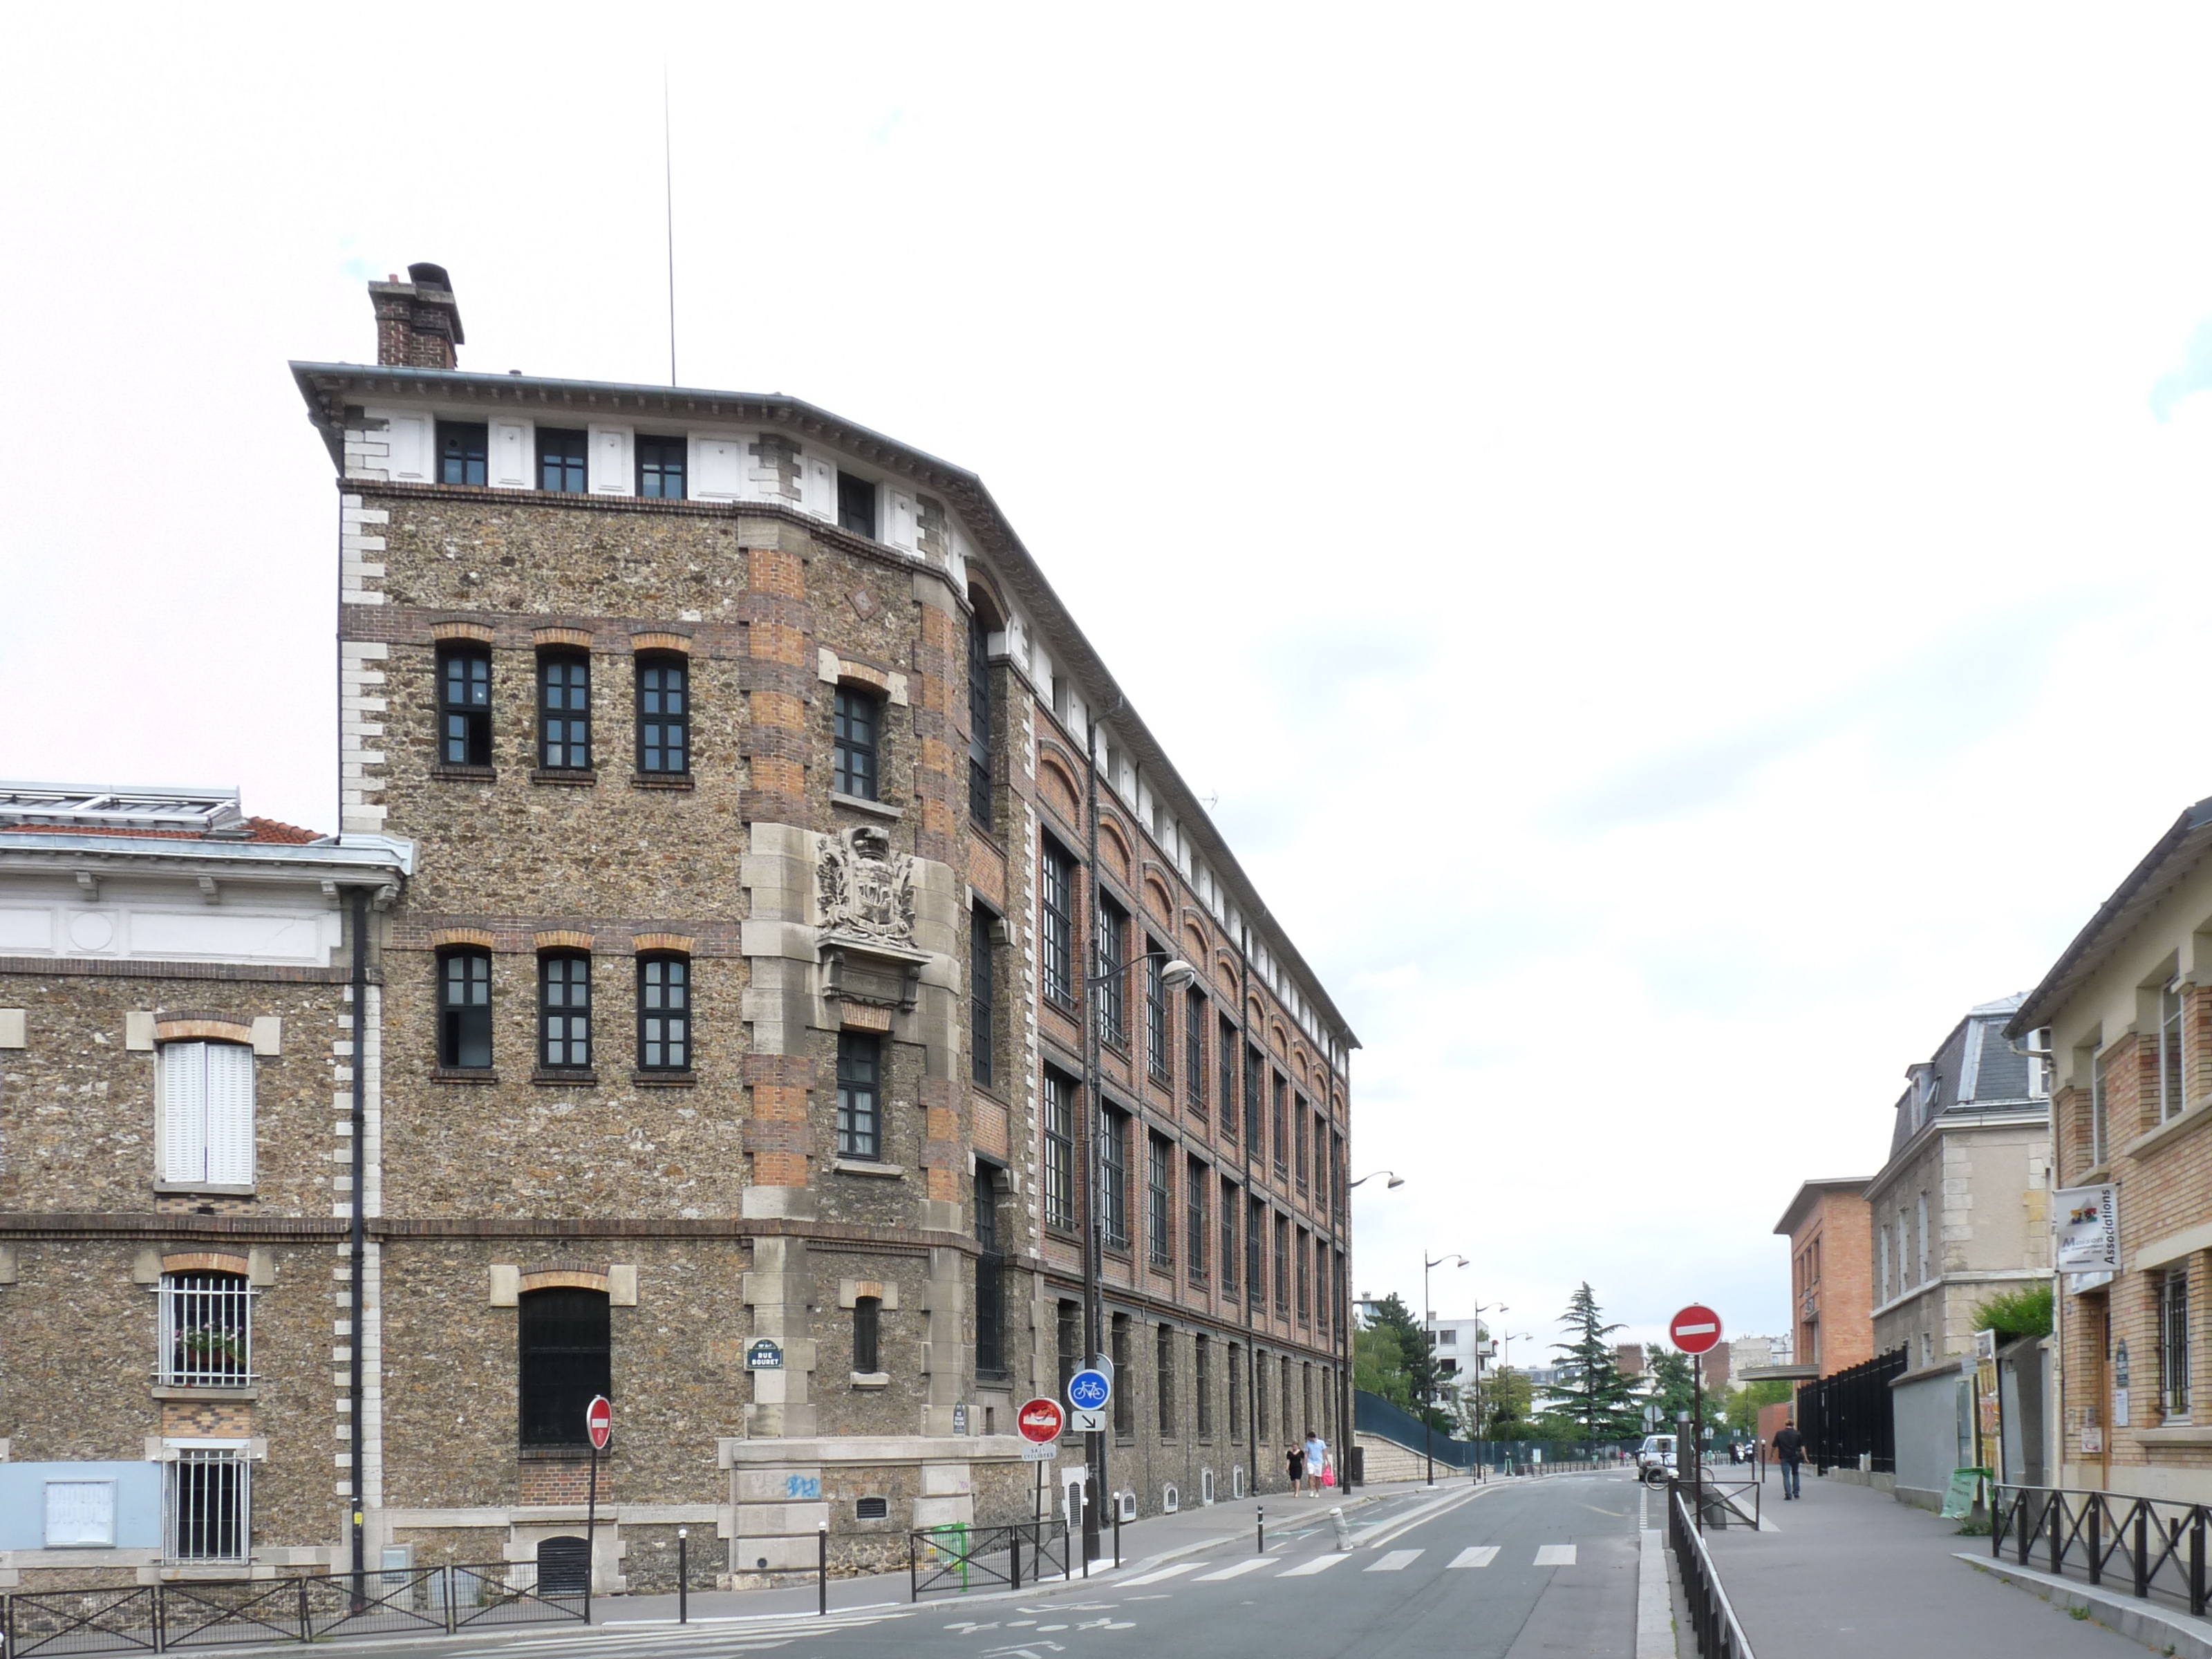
x=1654 y=1458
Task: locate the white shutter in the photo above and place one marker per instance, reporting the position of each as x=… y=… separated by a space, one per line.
x=818 y=476
x=717 y=468
x=409 y=438
x=230 y=1114
x=508 y=463
x=183 y=1083
x=609 y=453
x=902 y=520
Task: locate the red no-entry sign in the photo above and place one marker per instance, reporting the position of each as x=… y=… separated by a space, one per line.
x=1696 y=1329
x=599 y=1422
x=1040 y=1420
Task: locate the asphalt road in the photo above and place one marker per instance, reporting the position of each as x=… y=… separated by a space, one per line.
x=1509 y=1571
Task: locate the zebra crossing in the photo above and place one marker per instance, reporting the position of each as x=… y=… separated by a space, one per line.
x=1477 y=1555
x=758 y=1633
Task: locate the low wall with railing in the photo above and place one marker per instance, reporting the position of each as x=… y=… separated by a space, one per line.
x=2151 y=1548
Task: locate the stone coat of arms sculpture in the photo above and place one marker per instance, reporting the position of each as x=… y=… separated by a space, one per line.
x=865 y=888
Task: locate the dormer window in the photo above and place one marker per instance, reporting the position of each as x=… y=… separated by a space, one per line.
x=856 y=506
x=462 y=447
x=561 y=464
x=660 y=467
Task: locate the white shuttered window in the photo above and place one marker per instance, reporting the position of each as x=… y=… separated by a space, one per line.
x=207 y=1113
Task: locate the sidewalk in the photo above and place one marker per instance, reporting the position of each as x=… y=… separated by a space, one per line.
x=1852 y=1571
x=1155 y=1538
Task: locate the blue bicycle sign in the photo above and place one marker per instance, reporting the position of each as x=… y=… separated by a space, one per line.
x=1088 y=1391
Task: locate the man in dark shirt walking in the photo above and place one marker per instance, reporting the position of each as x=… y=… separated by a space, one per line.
x=1790 y=1447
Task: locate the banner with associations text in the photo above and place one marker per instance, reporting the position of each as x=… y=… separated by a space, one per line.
x=2087 y=1222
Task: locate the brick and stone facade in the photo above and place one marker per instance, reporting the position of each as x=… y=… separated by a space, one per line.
x=2125 y=1018
x=715 y=1205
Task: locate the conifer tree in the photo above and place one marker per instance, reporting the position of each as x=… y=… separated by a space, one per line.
x=1594 y=1394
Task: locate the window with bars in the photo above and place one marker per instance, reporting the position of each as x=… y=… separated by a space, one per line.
x=990 y=1276
x=1160 y=1227
x=1229 y=1208
x=1164 y=1374
x=560 y=460
x=857 y=718
x=1056 y=903
x=1193 y=1212
x=207 y=1331
x=1059 y=1126
x=1225 y=1049
x=1113 y=1176
x=1125 y=1399
x=564 y=712
x=2173 y=1342
x=979 y=722
x=660 y=467
x=663 y=1013
x=1195 y=1009
x=2097 y=1099
x=1301 y=1252
x=664 y=716
x=564 y=1011
x=1155 y=1014
x=1201 y=1383
x=206 y=1507
x=856 y=505
x=1260 y=1393
x=1112 y=990
x=464 y=705
x=867 y=1335
x=2170 y=1089
x=982 y=992
x=462 y=449
x=567 y=1338
x=464 y=1008
x=859 y=1106
x=1254 y=1065
x=205 y=1111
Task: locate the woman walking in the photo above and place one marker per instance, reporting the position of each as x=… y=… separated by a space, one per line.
x=1294 y=1464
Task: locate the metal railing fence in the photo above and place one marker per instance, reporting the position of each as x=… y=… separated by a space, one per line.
x=1712 y=1619
x=2154 y=1547
x=306 y=1607
x=953 y=1559
x=1847 y=1419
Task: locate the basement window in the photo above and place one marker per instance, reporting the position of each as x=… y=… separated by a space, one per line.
x=872 y=1508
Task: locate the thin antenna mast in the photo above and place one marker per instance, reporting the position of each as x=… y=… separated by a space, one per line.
x=668 y=178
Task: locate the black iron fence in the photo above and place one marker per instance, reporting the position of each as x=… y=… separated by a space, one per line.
x=952 y=1559
x=1846 y=1417
x=1713 y=1620
x=307 y=1608
x=2152 y=1547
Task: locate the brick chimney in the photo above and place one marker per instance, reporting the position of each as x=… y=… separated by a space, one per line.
x=418 y=322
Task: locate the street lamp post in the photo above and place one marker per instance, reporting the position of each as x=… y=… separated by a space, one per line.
x=1479 y=1309
x=1428 y=1372
x=1346 y=1436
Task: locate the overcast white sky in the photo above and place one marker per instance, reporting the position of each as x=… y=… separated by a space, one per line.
x=1678 y=540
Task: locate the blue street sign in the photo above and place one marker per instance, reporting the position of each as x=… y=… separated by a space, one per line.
x=1088 y=1391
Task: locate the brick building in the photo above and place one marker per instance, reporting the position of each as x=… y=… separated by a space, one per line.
x=747 y=774
x=1830 y=1230
x=2124 y=1017
x=179 y=1110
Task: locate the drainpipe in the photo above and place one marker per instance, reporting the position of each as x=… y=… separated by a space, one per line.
x=1244 y=1143
x=1094 y=1125
x=357 y=1238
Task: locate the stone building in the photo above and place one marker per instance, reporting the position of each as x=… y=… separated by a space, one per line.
x=2125 y=1018
x=735 y=1017
x=179 y=1109
x=1830 y=1230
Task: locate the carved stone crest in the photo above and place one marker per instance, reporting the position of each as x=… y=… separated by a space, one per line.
x=865 y=888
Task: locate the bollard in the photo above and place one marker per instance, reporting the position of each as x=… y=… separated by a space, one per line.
x=1014 y=1554
x=683 y=1576
x=1117 y=1534
x=822 y=1569
x=1343 y=1532
x=1261 y=1513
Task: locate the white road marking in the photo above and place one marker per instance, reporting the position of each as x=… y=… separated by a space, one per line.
x=1235 y=1569
x=1307 y=1569
x=1479 y=1555
x=1397 y=1561
x=1555 y=1555
x=1177 y=1571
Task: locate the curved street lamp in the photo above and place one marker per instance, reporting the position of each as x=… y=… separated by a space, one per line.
x=1429 y=1374
x=1347 y=1430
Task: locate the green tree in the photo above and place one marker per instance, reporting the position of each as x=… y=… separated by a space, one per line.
x=1673 y=1389
x=1379 y=1365
x=1509 y=1407
x=1743 y=1405
x=1416 y=1360
x=1593 y=1394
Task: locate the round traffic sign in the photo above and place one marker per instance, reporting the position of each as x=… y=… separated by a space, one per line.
x=599 y=1422
x=1696 y=1329
x=1040 y=1419
x=1089 y=1390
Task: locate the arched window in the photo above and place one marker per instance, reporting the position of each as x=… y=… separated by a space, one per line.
x=207 y=1331
x=664 y=716
x=663 y=1013
x=564 y=1011
x=567 y=1346
x=464 y=1008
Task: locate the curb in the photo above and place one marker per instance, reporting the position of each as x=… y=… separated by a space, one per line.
x=2155 y=1626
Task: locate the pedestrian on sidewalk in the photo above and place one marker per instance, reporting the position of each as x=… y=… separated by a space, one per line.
x=1790 y=1447
x=1296 y=1464
x=1316 y=1459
